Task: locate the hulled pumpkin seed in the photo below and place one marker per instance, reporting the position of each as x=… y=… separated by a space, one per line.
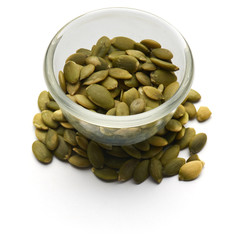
x=79 y=162
x=117 y=151
x=126 y=62
x=174 y=125
x=115 y=54
x=164 y=65
x=123 y=43
x=80 y=152
x=109 y=83
x=79 y=58
x=189 y=134
x=82 y=142
x=96 y=77
x=132 y=82
x=38 y=122
x=100 y=96
x=102 y=47
x=173 y=166
x=67 y=125
x=152 y=152
x=47 y=118
x=137 y=54
x=162 y=53
x=190 y=109
x=58 y=116
x=114 y=162
x=170 y=90
x=111 y=111
x=143 y=146
x=72 y=72
x=148 y=67
x=181 y=133
x=152 y=93
x=190 y=170
x=150 y=43
x=137 y=106
x=62 y=81
x=179 y=111
x=119 y=73
x=171 y=153
x=203 y=114
x=155 y=170
x=98 y=62
x=122 y=109
x=143 y=78
x=63 y=150
x=43 y=98
x=141 y=172
x=41 y=152
x=157 y=141
x=193 y=157
x=142 y=48
x=197 y=143
x=51 y=139
x=85 y=102
x=69 y=136
x=41 y=135
x=52 y=105
x=72 y=88
x=95 y=155
x=105 y=174
x=86 y=71
x=184 y=119
x=127 y=169
x=130 y=95
x=193 y=96
x=132 y=151
x=164 y=77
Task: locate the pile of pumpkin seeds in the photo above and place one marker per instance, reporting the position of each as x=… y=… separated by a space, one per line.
x=122 y=77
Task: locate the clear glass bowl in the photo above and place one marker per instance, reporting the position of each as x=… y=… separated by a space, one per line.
x=83 y=32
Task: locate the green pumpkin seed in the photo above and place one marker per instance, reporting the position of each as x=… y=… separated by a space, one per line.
x=148 y=101
x=115 y=92
x=51 y=139
x=190 y=109
x=164 y=65
x=72 y=88
x=193 y=96
x=79 y=162
x=160 y=88
x=95 y=155
x=173 y=166
x=114 y=162
x=162 y=131
x=155 y=170
x=132 y=82
x=148 y=67
x=161 y=76
x=60 y=130
x=41 y=135
x=193 y=157
x=181 y=133
x=63 y=150
x=197 y=143
x=170 y=136
x=203 y=114
x=142 y=48
x=110 y=83
x=153 y=151
x=72 y=72
x=184 y=119
x=117 y=151
x=115 y=54
x=119 y=73
x=174 y=125
x=170 y=90
x=100 y=96
x=96 y=77
x=189 y=134
x=143 y=78
x=69 y=136
x=111 y=111
x=179 y=111
x=80 y=152
x=122 y=109
x=105 y=146
x=190 y=170
x=126 y=62
x=150 y=43
x=157 y=141
x=85 y=102
x=82 y=141
x=71 y=97
x=41 y=152
x=130 y=95
x=79 y=58
x=84 y=51
x=102 y=47
x=171 y=153
x=47 y=118
x=38 y=122
x=105 y=174
x=98 y=62
x=67 y=125
x=123 y=43
x=62 y=81
x=127 y=169
x=143 y=146
x=132 y=151
x=137 y=54
x=43 y=98
x=152 y=93
x=141 y=172
x=52 y=105
x=137 y=106
x=58 y=116
x=86 y=71
x=162 y=53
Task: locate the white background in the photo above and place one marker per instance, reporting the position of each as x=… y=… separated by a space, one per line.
x=58 y=201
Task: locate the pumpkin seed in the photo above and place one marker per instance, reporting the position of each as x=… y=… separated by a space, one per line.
x=137 y=54
x=52 y=105
x=143 y=146
x=98 y=62
x=193 y=157
x=197 y=143
x=62 y=81
x=164 y=65
x=60 y=130
x=170 y=153
x=109 y=83
x=150 y=43
x=85 y=102
x=152 y=93
x=82 y=142
x=72 y=88
x=141 y=172
x=105 y=174
x=179 y=112
x=130 y=95
x=143 y=78
x=170 y=90
x=51 y=139
x=79 y=162
x=164 y=77
x=174 y=125
x=123 y=43
x=155 y=170
x=190 y=109
x=203 y=114
x=132 y=82
x=96 y=77
x=58 y=116
x=127 y=169
x=43 y=98
x=137 y=106
x=47 y=118
x=86 y=71
x=80 y=152
x=152 y=152
x=170 y=136
x=115 y=54
x=115 y=92
x=132 y=151
x=193 y=96
x=114 y=162
x=117 y=151
x=100 y=96
x=157 y=141
x=84 y=51
x=102 y=47
x=122 y=109
x=95 y=155
x=67 y=125
x=72 y=72
x=142 y=48
x=119 y=73
x=63 y=150
x=69 y=136
x=111 y=111
x=41 y=152
x=181 y=133
x=190 y=170
x=38 y=122
x=126 y=62
x=173 y=166
x=41 y=135
x=162 y=53
x=79 y=58
x=189 y=134
x=184 y=119
x=148 y=67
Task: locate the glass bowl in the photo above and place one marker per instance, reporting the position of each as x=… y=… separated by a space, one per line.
x=83 y=32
